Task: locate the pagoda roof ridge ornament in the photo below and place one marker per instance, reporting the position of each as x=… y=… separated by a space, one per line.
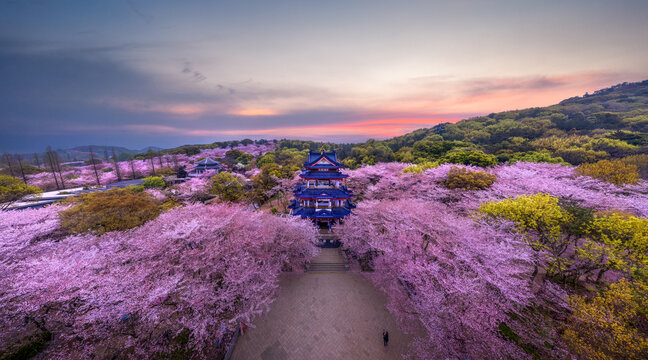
x=325 y=159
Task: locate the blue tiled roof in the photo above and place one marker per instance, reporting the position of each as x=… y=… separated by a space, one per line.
x=302 y=192
x=207 y=161
x=330 y=156
x=308 y=212
x=322 y=174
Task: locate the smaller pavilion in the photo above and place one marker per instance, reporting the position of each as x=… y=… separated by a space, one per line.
x=204 y=165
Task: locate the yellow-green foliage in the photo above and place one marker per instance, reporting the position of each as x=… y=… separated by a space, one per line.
x=227 y=187
x=282 y=172
x=150 y=182
x=169 y=205
x=554 y=143
x=607 y=326
x=613 y=171
x=420 y=168
x=470 y=180
x=640 y=161
x=164 y=171
x=608 y=145
x=105 y=211
x=12 y=189
x=621 y=240
x=540 y=216
x=540 y=213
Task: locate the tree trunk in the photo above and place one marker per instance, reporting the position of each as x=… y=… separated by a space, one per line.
x=58 y=167
x=175 y=163
x=132 y=165
x=22 y=171
x=600 y=275
x=48 y=156
x=117 y=170
x=94 y=166
x=8 y=161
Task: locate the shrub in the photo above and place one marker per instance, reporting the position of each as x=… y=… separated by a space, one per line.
x=106 y=211
x=475 y=158
x=150 y=182
x=470 y=180
x=135 y=188
x=13 y=189
x=640 y=161
x=107 y=169
x=274 y=210
x=27 y=169
x=419 y=168
x=615 y=171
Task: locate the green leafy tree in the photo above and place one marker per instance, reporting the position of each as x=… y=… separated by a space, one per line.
x=435 y=147
x=475 y=158
x=227 y=187
x=537 y=157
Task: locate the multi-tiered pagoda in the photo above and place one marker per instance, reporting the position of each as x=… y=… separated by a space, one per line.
x=322 y=197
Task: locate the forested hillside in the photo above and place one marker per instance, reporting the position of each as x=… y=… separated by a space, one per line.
x=610 y=123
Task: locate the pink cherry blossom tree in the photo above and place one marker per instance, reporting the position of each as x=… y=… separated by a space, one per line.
x=195 y=270
x=459 y=278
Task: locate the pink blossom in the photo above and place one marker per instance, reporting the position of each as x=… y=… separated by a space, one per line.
x=194 y=267
x=457 y=277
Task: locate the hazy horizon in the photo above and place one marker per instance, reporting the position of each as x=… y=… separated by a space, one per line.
x=139 y=73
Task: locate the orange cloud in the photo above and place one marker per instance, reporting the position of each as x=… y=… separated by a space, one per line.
x=378 y=128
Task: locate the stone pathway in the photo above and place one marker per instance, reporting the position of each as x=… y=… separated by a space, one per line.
x=324 y=315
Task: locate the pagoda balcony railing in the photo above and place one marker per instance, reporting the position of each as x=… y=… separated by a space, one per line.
x=322 y=206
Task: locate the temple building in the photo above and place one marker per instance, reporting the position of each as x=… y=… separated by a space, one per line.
x=322 y=197
x=205 y=165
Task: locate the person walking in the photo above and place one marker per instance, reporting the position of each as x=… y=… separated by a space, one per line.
x=385 y=337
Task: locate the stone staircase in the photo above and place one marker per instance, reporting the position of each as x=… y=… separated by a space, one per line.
x=329 y=260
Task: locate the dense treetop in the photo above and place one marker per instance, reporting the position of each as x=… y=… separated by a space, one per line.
x=610 y=123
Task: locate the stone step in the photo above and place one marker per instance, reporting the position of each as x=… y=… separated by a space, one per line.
x=328 y=260
x=338 y=268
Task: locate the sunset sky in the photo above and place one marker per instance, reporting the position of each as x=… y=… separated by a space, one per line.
x=137 y=73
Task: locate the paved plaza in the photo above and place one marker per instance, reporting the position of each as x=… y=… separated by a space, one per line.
x=324 y=316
